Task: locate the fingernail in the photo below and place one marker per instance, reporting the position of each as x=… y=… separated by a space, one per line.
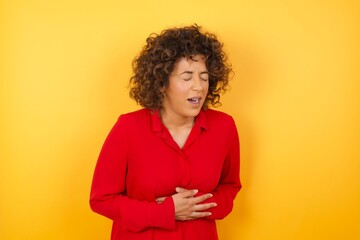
x=196 y=191
x=210 y=195
x=209 y=213
x=215 y=204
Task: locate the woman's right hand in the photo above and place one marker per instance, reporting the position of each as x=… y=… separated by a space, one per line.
x=189 y=207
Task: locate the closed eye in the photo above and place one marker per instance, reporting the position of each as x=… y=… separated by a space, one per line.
x=187 y=75
x=204 y=76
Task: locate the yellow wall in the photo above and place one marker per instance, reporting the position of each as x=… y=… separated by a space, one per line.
x=64 y=68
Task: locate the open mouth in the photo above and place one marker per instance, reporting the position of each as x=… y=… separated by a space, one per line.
x=194 y=100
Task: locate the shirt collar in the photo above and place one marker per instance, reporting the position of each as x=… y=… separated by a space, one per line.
x=200 y=121
x=155 y=120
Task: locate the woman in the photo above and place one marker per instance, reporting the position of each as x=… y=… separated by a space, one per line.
x=169 y=170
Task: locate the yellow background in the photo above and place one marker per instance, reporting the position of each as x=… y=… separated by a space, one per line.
x=295 y=96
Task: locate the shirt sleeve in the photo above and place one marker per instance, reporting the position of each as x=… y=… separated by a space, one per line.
x=229 y=184
x=108 y=191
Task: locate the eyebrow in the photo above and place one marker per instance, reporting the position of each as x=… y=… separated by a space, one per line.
x=186 y=72
x=191 y=72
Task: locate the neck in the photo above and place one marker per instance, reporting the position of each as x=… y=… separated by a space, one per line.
x=172 y=121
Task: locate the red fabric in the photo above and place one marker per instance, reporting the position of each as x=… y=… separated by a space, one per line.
x=140 y=162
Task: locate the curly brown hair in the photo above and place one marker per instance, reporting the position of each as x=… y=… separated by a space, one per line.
x=153 y=66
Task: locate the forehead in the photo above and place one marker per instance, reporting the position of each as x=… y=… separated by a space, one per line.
x=196 y=61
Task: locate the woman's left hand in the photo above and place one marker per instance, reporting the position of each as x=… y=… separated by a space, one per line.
x=190 y=215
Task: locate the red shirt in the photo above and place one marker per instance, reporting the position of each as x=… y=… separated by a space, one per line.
x=140 y=162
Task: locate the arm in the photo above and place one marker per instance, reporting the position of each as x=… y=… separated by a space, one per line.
x=108 y=191
x=229 y=184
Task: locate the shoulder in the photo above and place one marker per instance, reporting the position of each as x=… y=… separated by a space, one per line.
x=215 y=116
x=138 y=114
x=219 y=121
x=135 y=118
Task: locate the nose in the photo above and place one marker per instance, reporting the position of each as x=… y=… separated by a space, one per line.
x=198 y=83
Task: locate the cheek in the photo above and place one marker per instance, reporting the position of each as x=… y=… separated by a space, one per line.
x=183 y=87
x=206 y=86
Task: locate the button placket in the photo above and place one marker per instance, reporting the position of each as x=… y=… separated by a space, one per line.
x=185 y=170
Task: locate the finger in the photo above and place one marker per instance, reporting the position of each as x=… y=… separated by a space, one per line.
x=192 y=215
x=202 y=207
x=182 y=218
x=188 y=193
x=202 y=198
x=179 y=189
x=160 y=199
x=195 y=215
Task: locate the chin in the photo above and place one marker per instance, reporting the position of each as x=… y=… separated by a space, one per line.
x=194 y=112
